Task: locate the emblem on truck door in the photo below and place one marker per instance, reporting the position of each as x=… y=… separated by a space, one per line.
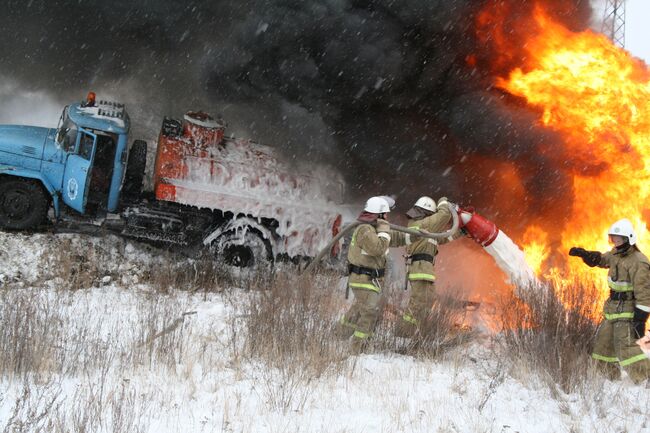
x=73 y=188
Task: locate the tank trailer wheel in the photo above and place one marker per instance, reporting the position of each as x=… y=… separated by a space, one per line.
x=243 y=248
x=23 y=204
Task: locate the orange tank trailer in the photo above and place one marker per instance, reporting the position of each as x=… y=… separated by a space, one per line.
x=199 y=131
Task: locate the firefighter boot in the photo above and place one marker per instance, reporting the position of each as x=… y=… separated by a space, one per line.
x=422 y=296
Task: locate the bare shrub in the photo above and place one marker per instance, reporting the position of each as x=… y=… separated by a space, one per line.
x=182 y=273
x=552 y=332
x=76 y=268
x=442 y=330
x=288 y=329
x=41 y=332
x=99 y=408
x=29 y=332
x=32 y=408
x=160 y=338
x=203 y=274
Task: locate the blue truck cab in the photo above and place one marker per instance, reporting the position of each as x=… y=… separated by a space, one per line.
x=81 y=164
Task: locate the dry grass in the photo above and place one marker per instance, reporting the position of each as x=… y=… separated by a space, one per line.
x=42 y=408
x=552 y=333
x=195 y=275
x=79 y=265
x=43 y=342
x=287 y=328
x=77 y=269
x=39 y=334
x=280 y=336
x=443 y=329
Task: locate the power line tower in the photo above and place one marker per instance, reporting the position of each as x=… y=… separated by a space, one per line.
x=614 y=22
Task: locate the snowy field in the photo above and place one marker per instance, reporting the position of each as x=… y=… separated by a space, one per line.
x=98 y=335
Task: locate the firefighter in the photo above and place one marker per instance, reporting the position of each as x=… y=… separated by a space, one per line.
x=628 y=306
x=366 y=266
x=421 y=255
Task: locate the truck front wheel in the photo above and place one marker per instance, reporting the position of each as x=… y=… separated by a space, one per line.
x=243 y=248
x=23 y=204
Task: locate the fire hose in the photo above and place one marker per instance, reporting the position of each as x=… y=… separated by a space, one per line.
x=413 y=232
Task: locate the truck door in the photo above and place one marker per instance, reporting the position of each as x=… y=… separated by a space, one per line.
x=76 y=177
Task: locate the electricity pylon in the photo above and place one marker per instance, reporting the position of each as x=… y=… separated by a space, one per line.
x=614 y=22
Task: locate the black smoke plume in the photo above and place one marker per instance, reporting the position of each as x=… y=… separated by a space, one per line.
x=380 y=88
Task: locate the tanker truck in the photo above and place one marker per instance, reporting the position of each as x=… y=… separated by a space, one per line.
x=231 y=197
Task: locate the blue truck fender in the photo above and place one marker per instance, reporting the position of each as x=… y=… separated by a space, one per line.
x=19 y=172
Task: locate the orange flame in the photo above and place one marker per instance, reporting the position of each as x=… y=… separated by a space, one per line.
x=597 y=97
x=536 y=247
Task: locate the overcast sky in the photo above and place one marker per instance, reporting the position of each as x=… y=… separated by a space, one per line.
x=637 y=32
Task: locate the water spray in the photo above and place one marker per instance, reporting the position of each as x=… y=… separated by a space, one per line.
x=508 y=256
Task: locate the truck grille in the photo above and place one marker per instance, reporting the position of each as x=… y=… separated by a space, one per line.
x=29 y=150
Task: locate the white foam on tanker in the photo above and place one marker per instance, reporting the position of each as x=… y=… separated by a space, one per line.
x=247 y=178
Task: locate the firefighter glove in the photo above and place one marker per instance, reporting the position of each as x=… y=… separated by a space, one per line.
x=577 y=252
x=591 y=258
x=382 y=226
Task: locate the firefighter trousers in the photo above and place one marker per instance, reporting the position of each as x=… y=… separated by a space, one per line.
x=615 y=346
x=360 y=320
x=423 y=294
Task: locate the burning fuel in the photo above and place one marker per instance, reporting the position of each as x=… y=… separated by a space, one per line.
x=594 y=96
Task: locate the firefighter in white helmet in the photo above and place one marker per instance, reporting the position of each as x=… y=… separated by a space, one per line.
x=627 y=309
x=366 y=266
x=421 y=255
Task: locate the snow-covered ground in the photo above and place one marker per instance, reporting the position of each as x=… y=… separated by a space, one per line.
x=119 y=355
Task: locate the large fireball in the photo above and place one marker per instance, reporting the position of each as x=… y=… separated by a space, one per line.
x=597 y=98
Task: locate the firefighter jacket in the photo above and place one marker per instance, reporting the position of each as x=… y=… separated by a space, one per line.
x=629 y=282
x=368 y=251
x=421 y=268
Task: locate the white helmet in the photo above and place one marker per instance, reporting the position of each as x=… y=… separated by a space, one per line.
x=426 y=203
x=377 y=205
x=390 y=200
x=623 y=228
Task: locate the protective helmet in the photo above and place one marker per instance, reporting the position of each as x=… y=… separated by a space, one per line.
x=377 y=205
x=390 y=200
x=623 y=228
x=426 y=203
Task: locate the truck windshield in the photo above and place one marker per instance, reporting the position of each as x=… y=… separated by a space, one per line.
x=66 y=136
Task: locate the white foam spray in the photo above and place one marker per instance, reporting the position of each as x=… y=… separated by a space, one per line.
x=512 y=261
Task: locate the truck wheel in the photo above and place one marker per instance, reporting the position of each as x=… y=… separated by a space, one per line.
x=23 y=204
x=243 y=248
x=135 y=169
